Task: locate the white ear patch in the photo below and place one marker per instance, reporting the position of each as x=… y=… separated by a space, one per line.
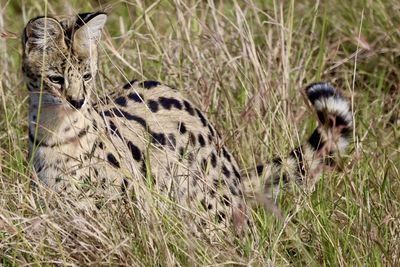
x=88 y=34
x=92 y=29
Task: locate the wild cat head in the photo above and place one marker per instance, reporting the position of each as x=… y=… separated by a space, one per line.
x=60 y=58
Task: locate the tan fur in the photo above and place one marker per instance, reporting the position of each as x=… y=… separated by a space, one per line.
x=146 y=138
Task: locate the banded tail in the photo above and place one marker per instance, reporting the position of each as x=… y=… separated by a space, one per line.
x=304 y=164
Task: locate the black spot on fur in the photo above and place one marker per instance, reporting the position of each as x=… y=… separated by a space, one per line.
x=210 y=128
x=226 y=154
x=123 y=114
x=135 y=151
x=169 y=102
x=188 y=107
x=129 y=84
x=225 y=171
x=124 y=185
x=159 y=138
x=192 y=139
x=259 y=169
x=101 y=145
x=213 y=160
x=210 y=138
x=171 y=141
x=83 y=132
x=103 y=183
x=177 y=104
x=121 y=101
x=150 y=84
x=220 y=216
x=182 y=128
x=212 y=192
x=190 y=157
x=285 y=178
x=216 y=183
x=276 y=179
x=153 y=105
x=202 y=142
x=115 y=129
x=85 y=179
x=143 y=167
x=202 y=118
x=233 y=190
x=237 y=174
x=165 y=102
x=240 y=193
x=94 y=124
x=277 y=161
x=203 y=203
x=39 y=169
x=31 y=86
x=136 y=97
x=112 y=160
x=206 y=206
x=225 y=200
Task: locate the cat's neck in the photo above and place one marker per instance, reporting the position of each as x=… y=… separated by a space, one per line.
x=52 y=124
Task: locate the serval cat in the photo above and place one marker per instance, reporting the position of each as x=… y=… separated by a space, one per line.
x=147 y=131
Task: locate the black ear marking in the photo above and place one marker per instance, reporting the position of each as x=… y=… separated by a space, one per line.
x=83 y=18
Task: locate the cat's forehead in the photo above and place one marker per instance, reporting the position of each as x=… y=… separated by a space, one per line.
x=71 y=22
x=66 y=22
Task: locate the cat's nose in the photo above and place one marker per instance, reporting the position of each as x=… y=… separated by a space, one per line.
x=76 y=103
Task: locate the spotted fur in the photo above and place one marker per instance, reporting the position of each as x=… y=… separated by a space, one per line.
x=146 y=133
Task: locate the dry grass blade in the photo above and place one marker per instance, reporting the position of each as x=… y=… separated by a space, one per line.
x=245 y=64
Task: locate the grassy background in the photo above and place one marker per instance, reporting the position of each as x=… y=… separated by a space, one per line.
x=245 y=64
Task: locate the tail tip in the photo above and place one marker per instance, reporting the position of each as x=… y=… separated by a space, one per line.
x=324 y=97
x=319 y=90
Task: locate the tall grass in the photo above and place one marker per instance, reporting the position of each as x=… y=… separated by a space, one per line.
x=245 y=64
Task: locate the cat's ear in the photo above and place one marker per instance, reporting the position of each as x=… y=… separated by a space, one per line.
x=43 y=33
x=87 y=35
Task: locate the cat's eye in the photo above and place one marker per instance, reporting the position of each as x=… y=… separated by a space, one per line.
x=57 y=79
x=87 y=77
